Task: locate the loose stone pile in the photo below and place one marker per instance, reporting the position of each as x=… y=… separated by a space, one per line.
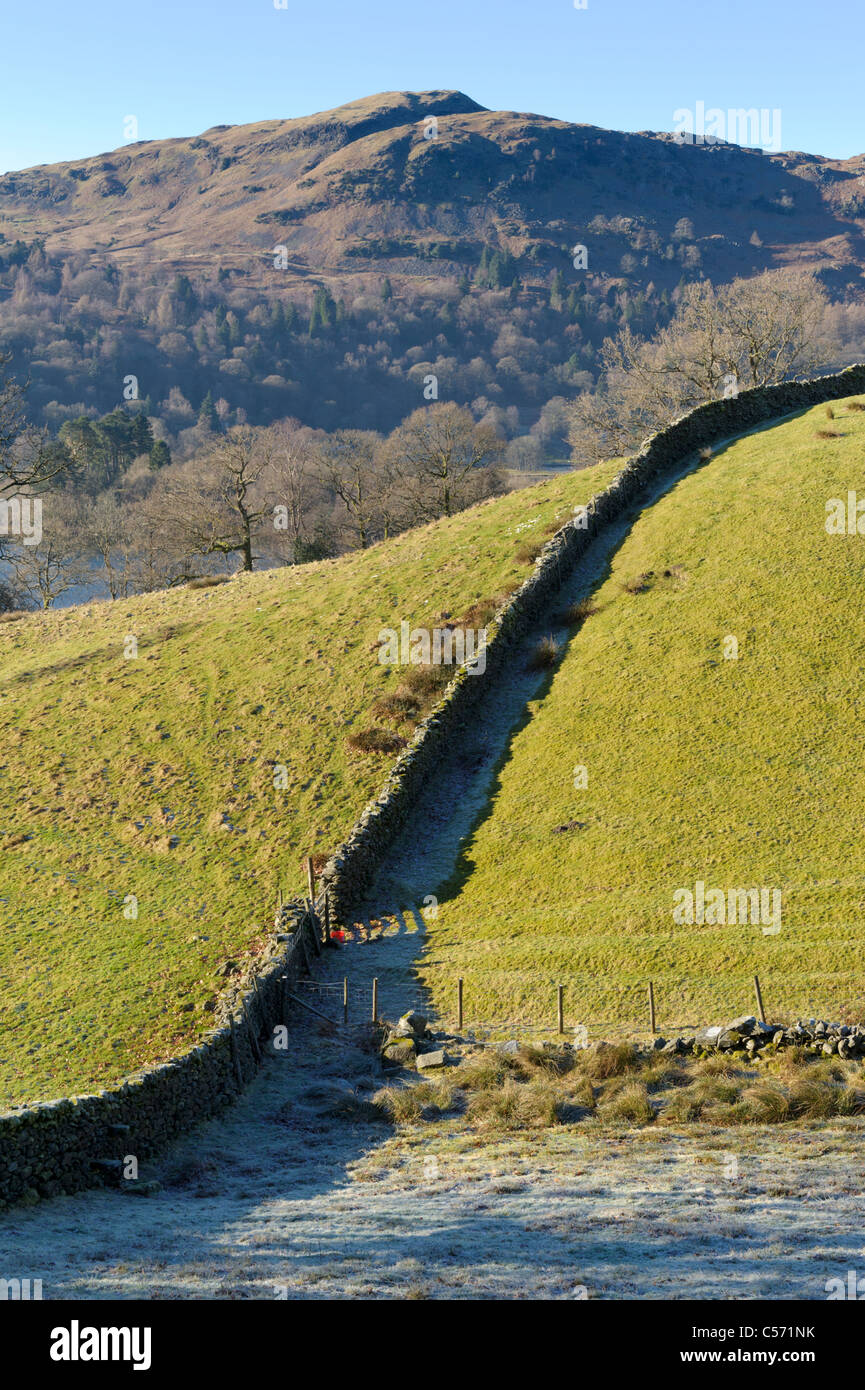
x=749 y=1035
x=410 y=1043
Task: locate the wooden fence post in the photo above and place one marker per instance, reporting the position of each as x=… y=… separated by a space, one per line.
x=652 y=1027
x=760 y=1011
x=310 y=878
x=326 y=916
x=310 y=907
x=560 y=1001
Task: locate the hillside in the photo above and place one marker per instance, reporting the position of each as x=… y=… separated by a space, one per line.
x=737 y=772
x=326 y=267
x=360 y=183
x=152 y=777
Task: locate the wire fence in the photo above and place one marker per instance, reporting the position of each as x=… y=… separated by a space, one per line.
x=642 y=1013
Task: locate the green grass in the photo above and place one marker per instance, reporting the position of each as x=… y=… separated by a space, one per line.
x=741 y=773
x=154 y=777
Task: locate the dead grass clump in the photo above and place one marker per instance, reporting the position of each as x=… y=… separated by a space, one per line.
x=577 y=613
x=793 y=1058
x=482 y=1071
x=640 y=584
x=850 y=1101
x=480 y=613
x=375 y=741
x=719 y=1064
x=545 y=655
x=683 y=1108
x=811 y=1100
x=528 y=552
x=350 y=1106
x=425 y=682
x=579 y=1091
x=208 y=581
x=609 y=1059
x=552 y=1061
x=827 y=434
x=12 y=617
x=830 y=413
x=716 y=1090
x=663 y=1076
x=631 y=1105
x=396 y=707
x=516 y=1105
x=706 y=454
x=856 y=405
x=424 y=1100
x=766 y=1104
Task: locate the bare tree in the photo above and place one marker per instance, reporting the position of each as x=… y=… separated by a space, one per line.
x=219 y=510
x=722 y=339
x=27 y=459
x=55 y=561
x=108 y=535
x=443 y=460
x=294 y=487
x=356 y=472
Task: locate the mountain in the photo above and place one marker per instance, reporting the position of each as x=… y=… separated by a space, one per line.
x=361 y=186
x=337 y=267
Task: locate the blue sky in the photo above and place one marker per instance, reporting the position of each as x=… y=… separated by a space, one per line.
x=74 y=72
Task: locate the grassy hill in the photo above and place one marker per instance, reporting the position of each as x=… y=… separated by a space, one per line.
x=739 y=773
x=152 y=776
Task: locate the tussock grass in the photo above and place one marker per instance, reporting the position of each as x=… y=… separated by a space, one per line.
x=478 y=614
x=208 y=581
x=638 y=584
x=545 y=655
x=426 y=682
x=397 y=707
x=528 y=551
x=611 y=1059
x=375 y=741
x=630 y=1104
x=577 y=613
x=614 y=1084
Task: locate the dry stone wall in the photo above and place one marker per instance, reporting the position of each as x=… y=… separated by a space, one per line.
x=351 y=870
x=80 y=1141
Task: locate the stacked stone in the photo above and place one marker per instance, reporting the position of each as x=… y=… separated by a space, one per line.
x=751 y=1036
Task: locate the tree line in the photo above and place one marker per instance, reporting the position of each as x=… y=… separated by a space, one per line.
x=257 y=496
